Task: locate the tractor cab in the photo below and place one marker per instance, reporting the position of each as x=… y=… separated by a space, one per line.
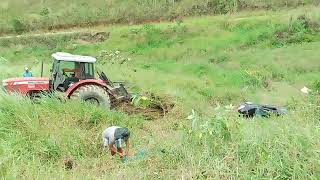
x=68 y=69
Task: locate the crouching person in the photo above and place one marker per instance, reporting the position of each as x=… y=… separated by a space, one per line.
x=114 y=137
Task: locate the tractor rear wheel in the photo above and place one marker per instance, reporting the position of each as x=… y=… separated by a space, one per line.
x=93 y=94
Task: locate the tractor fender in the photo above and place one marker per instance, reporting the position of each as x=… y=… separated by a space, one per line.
x=75 y=86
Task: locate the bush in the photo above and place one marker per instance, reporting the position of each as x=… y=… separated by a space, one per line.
x=302 y=29
x=18 y=26
x=255 y=78
x=219 y=59
x=150 y=36
x=298 y=30
x=44 y=12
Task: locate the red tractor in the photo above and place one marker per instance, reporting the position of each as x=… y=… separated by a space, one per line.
x=74 y=76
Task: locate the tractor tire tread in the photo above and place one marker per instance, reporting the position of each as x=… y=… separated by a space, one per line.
x=92 y=90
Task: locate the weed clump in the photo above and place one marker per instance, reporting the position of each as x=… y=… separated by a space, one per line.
x=150 y=36
x=113 y=57
x=50 y=150
x=316 y=85
x=299 y=30
x=255 y=78
x=18 y=26
x=208 y=131
x=44 y=11
x=219 y=59
x=302 y=29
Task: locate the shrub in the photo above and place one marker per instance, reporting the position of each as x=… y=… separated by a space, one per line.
x=44 y=11
x=150 y=36
x=219 y=59
x=255 y=78
x=18 y=26
x=298 y=30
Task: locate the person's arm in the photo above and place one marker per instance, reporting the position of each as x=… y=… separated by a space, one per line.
x=114 y=149
x=127 y=147
x=105 y=143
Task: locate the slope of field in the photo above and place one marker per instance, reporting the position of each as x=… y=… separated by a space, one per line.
x=197 y=63
x=18 y=16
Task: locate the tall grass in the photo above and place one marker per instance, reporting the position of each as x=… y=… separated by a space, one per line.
x=15 y=18
x=278 y=147
x=37 y=141
x=201 y=64
x=50 y=132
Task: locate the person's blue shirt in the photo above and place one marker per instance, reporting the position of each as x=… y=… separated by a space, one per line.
x=27 y=74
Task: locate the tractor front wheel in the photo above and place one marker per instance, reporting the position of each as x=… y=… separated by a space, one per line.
x=93 y=94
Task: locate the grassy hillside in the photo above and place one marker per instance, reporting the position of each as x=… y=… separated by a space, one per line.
x=44 y=14
x=196 y=63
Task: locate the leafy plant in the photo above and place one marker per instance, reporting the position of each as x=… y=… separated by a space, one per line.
x=151 y=36
x=219 y=59
x=255 y=78
x=18 y=26
x=141 y=101
x=210 y=128
x=44 y=11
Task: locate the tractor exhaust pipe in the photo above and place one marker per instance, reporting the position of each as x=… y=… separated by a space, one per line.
x=41 y=68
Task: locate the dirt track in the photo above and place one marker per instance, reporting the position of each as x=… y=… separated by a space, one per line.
x=73 y=28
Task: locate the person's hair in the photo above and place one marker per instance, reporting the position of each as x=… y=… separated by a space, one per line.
x=126 y=133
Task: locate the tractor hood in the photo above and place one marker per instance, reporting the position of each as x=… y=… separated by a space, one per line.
x=25 y=85
x=26 y=80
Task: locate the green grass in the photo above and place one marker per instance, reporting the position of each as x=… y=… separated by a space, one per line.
x=198 y=63
x=50 y=15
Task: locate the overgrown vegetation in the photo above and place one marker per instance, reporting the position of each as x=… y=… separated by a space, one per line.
x=209 y=64
x=54 y=15
x=262 y=147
